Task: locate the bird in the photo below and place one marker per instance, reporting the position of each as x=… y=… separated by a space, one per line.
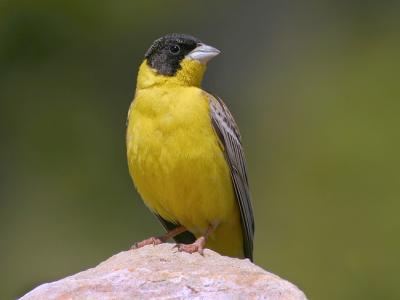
x=185 y=153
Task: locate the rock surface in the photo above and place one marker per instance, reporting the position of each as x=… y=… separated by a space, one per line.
x=160 y=272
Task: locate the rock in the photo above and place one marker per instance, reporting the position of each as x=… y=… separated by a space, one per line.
x=160 y=272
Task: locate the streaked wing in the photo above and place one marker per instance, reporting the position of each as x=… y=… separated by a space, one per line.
x=228 y=133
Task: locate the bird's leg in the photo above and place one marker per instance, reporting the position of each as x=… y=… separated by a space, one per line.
x=199 y=244
x=161 y=239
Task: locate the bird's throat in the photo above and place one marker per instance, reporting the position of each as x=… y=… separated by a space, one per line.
x=190 y=74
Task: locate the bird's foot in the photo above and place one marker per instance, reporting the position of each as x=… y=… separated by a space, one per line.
x=197 y=246
x=150 y=241
x=161 y=239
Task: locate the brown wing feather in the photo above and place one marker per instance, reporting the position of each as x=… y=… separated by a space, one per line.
x=228 y=133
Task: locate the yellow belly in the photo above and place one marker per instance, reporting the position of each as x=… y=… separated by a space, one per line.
x=178 y=166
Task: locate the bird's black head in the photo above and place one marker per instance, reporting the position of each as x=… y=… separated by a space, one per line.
x=166 y=53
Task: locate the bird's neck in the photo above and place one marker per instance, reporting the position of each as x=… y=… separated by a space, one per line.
x=190 y=74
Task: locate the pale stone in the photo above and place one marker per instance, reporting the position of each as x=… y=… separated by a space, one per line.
x=161 y=272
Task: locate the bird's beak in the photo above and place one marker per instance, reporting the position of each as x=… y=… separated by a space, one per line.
x=203 y=53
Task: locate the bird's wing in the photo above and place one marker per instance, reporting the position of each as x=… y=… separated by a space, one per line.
x=183 y=238
x=229 y=136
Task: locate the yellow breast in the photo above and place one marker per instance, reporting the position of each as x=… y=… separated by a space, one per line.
x=175 y=159
x=177 y=163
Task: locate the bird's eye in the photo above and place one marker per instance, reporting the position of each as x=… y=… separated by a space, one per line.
x=174 y=49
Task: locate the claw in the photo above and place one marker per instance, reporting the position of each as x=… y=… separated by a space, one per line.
x=161 y=239
x=150 y=241
x=197 y=246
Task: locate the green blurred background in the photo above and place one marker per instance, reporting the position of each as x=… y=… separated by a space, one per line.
x=314 y=86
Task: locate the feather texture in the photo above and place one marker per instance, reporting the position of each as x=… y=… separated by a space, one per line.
x=229 y=135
